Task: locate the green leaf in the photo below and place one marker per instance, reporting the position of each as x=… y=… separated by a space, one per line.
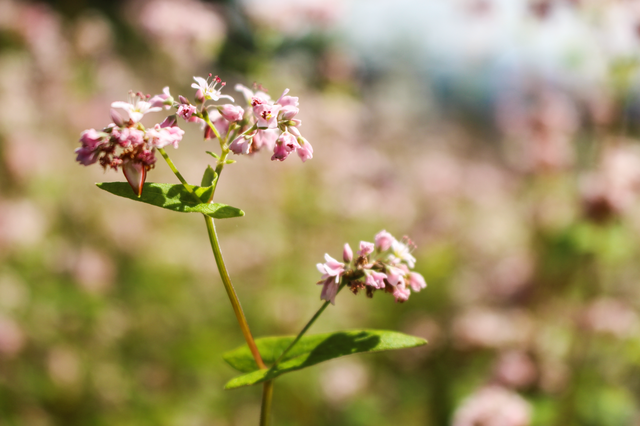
x=213 y=154
x=208 y=177
x=174 y=197
x=229 y=161
x=311 y=350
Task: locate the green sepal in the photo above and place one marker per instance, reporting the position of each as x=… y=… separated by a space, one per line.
x=309 y=351
x=174 y=197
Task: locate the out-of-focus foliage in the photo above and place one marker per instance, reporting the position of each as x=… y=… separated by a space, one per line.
x=503 y=141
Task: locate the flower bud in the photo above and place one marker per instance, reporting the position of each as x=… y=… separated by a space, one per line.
x=347 y=253
x=136 y=174
x=117 y=118
x=231 y=112
x=170 y=121
x=184 y=100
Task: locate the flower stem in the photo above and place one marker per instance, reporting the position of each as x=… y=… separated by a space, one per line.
x=226 y=280
x=306 y=327
x=233 y=297
x=267 y=397
x=178 y=174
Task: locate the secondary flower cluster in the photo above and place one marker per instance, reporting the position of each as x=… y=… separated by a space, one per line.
x=127 y=143
x=383 y=265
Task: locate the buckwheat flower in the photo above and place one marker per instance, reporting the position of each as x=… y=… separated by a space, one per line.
x=347 y=253
x=285 y=144
x=266 y=114
x=127 y=136
x=137 y=108
x=231 y=112
x=92 y=139
x=305 y=150
x=289 y=106
x=383 y=240
x=416 y=281
x=250 y=94
x=208 y=90
x=493 y=405
x=266 y=138
x=401 y=252
x=365 y=248
x=395 y=276
x=163 y=100
x=331 y=268
x=331 y=272
x=401 y=293
x=186 y=111
x=375 y=279
x=241 y=145
x=159 y=137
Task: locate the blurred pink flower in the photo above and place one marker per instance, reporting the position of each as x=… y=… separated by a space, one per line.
x=493 y=406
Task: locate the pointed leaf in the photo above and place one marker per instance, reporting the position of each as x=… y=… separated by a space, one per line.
x=213 y=154
x=208 y=177
x=174 y=197
x=311 y=350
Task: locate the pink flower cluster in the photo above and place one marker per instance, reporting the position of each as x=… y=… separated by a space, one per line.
x=127 y=143
x=272 y=125
x=383 y=265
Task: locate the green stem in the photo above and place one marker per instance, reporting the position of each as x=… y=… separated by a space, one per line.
x=178 y=174
x=233 y=297
x=306 y=327
x=267 y=396
x=226 y=280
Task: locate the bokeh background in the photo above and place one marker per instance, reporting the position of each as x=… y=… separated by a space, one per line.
x=500 y=135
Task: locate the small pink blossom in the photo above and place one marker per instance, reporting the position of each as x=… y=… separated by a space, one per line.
x=416 y=281
x=128 y=136
x=285 y=144
x=92 y=139
x=347 y=253
x=305 y=150
x=186 y=111
x=164 y=100
x=231 y=112
x=267 y=115
x=383 y=240
x=240 y=145
x=395 y=276
x=401 y=293
x=266 y=138
x=375 y=279
x=329 y=290
x=137 y=108
x=208 y=90
x=286 y=101
x=159 y=137
x=250 y=94
x=365 y=248
x=401 y=252
x=331 y=268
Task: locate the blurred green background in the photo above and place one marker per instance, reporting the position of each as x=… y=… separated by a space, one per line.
x=500 y=135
